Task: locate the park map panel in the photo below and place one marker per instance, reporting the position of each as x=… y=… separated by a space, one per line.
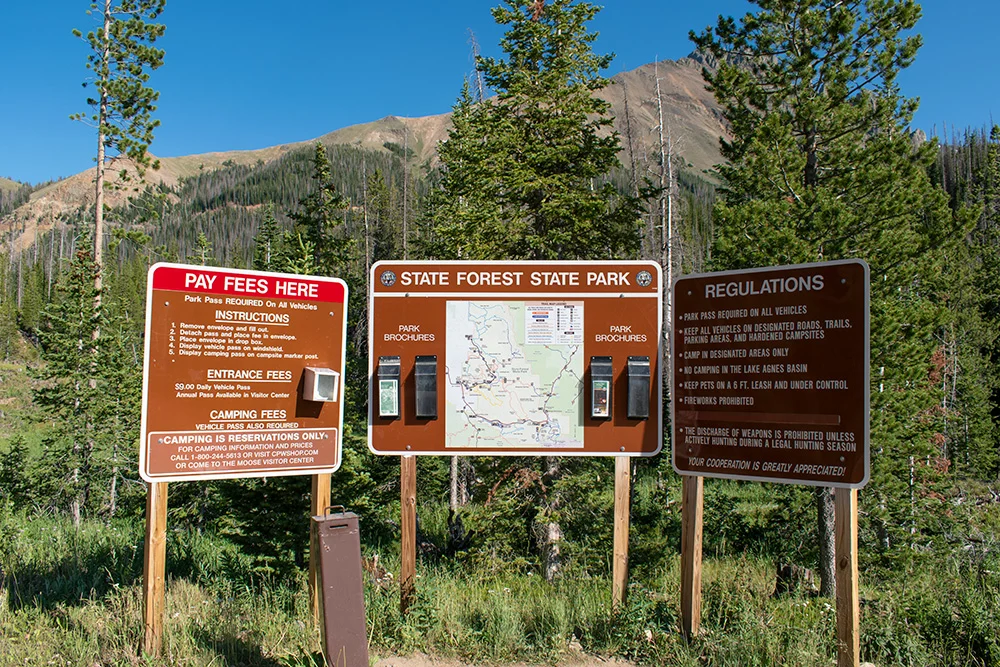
x=514 y=373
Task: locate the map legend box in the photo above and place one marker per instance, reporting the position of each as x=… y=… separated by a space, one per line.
x=512 y=344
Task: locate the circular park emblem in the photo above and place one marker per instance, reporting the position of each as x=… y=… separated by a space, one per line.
x=644 y=278
x=388 y=278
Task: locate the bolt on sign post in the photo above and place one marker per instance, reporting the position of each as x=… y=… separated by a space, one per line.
x=243 y=376
x=771 y=383
x=514 y=359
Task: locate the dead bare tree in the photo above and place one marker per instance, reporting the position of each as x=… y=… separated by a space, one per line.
x=667 y=147
x=480 y=85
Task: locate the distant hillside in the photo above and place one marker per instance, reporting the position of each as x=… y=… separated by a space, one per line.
x=13 y=195
x=7 y=185
x=690 y=113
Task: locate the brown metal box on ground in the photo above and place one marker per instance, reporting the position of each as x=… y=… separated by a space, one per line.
x=338 y=540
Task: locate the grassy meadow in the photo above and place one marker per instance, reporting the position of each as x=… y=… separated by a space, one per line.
x=72 y=597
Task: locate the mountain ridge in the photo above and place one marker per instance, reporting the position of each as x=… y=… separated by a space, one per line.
x=691 y=115
x=8 y=185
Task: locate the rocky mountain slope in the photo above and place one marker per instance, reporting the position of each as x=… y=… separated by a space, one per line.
x=690 y=113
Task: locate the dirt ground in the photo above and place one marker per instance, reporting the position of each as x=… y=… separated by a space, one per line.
x=579 y=660
x=418 y=660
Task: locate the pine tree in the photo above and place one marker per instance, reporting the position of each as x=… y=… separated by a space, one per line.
x=525 y=173
x=384 y=213
x=821 y=166
x=975 y=434
x=69 y=394
x=320 y=244
x=15 y=483
x=526 y=176
x=203 y=248
x=122 y=55
x=118 y=409
x=321 y=214
x=9 y=334
x=267 y=246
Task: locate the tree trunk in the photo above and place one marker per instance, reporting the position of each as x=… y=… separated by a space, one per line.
x=406 y=188
x=368 y=231
x=666 y=183
x=480 y=88
x=75 y=509
x=649 y=235
x=550 y=538
x=52 y=247
x=75 y=505
x=825 y=512
x=102 y=116
x=827 y=541
x=458 y=497
x=113 y=494
x=665 y=259
x=20 y=278
x=453 y=497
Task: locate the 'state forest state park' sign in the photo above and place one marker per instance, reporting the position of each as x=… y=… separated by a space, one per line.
x=771 y=374
x=243 y=374
x=515 y=358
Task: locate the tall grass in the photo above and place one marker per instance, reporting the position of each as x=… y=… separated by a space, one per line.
x=73 y=597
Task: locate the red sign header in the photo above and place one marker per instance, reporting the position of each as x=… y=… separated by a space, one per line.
x=238 y=283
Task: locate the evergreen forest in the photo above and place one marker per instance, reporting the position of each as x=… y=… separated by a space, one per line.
x=515 y=553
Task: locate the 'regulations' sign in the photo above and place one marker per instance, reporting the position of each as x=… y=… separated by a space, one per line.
x=771 y=374
x=243 y=374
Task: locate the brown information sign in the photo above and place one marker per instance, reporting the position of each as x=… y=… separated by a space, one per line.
x=515 y=358
x=243 y=374
x=771 y=372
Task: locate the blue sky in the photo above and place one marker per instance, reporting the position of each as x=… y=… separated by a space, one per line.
x=251 y=74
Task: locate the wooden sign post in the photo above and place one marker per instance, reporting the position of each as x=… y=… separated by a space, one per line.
x=408 y=531
x=848 y=607
x=154 y=568
x=771 y=383
x=517 y=359
x=691 y=530
x=623 y=507
x=243 y=376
